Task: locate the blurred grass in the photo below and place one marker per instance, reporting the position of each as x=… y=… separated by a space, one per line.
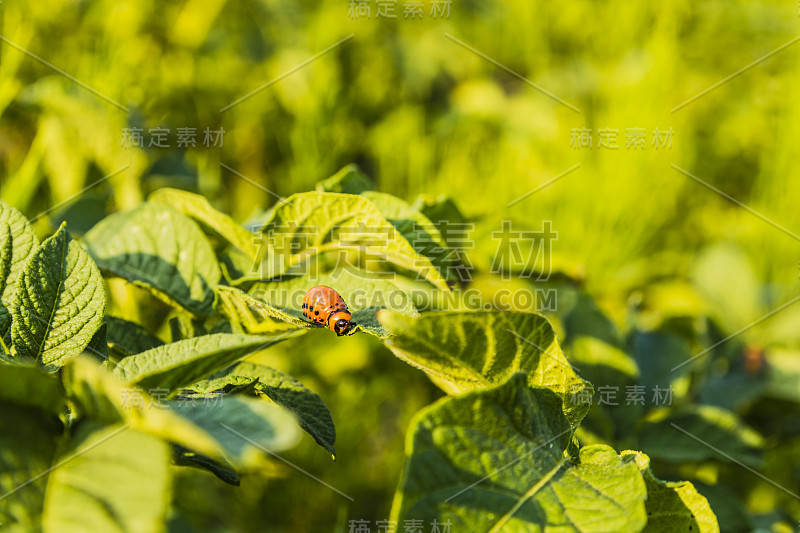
x=420 y=114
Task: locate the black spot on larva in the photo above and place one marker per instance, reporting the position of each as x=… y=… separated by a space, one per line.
x=316 y=312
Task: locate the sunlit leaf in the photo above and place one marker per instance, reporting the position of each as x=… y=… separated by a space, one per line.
x=481 y=349
x=158 y=248
x=495 y=460
x=182 y=363
x=59 y=302
x=672 y=506
x=308 y=224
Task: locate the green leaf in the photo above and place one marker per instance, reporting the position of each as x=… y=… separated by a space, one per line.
x=253 y=315
x=222 y=469
x=732 y=513
x=129 y=337
x=98 y=346
x=212 y=221
x=672 y=506
x=704 y=429
x=17 y=242
x=717 y=269
x=309 y=224
x=95 y=394
x=495 y=460
x=601 y=363
x=244 y=427
x=481 y=349
x=418 y=230
x=408 y=221
x=182 y=363
x=349 y=180
x=157 y=248
x=364 y=295
x=59 y=302
x=440 y=209
x=28 y=440
x=29 y=386
x=311 y=412
x=117 y=480
x=656 y=354
x=584 y=318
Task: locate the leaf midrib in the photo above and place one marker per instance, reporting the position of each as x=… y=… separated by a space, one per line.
x=48 y=326
x=528 y=495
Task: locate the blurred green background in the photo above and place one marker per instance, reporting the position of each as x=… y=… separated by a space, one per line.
x=422 y=114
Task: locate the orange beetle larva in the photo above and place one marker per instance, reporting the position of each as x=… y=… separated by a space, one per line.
x=323 y=305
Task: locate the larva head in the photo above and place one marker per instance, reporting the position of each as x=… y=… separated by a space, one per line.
x=339 y=321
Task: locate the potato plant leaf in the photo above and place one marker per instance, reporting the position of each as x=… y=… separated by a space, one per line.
x=119 y=481
x=29 y=386
x=94 y=393
x=691 y=434
x=129 y=337
x=495 y=460
x=311 y=412
x=672 y=506
x=481 y=349
x=417 y=229
x=158 y=248
x=364 y=295
x=255 y=316
x=308 y=224
x=28 y=440
x=214 y=222
x=349 y=180
x=17 y=243
x=182 y=363
x=244 y=427
x=59 y=302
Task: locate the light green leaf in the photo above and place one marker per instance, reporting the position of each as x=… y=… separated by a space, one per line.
x=29 y=386
x=408 y=221
x=717 y=269
x=364 y=295
x=182 y=363
x=349 y=180
x=253 y=315
x=157 y=248
x=704 y=429
x=417 y=229
x=95 y=394
x=309 y=224
x=129 y=337
x=481 y=349
x=495 y=460
x=212 y=221
x=311 y=412
x=244 y=427
x=59 y=302
x=117 y=482
x=601 y=363
x=672 y=506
